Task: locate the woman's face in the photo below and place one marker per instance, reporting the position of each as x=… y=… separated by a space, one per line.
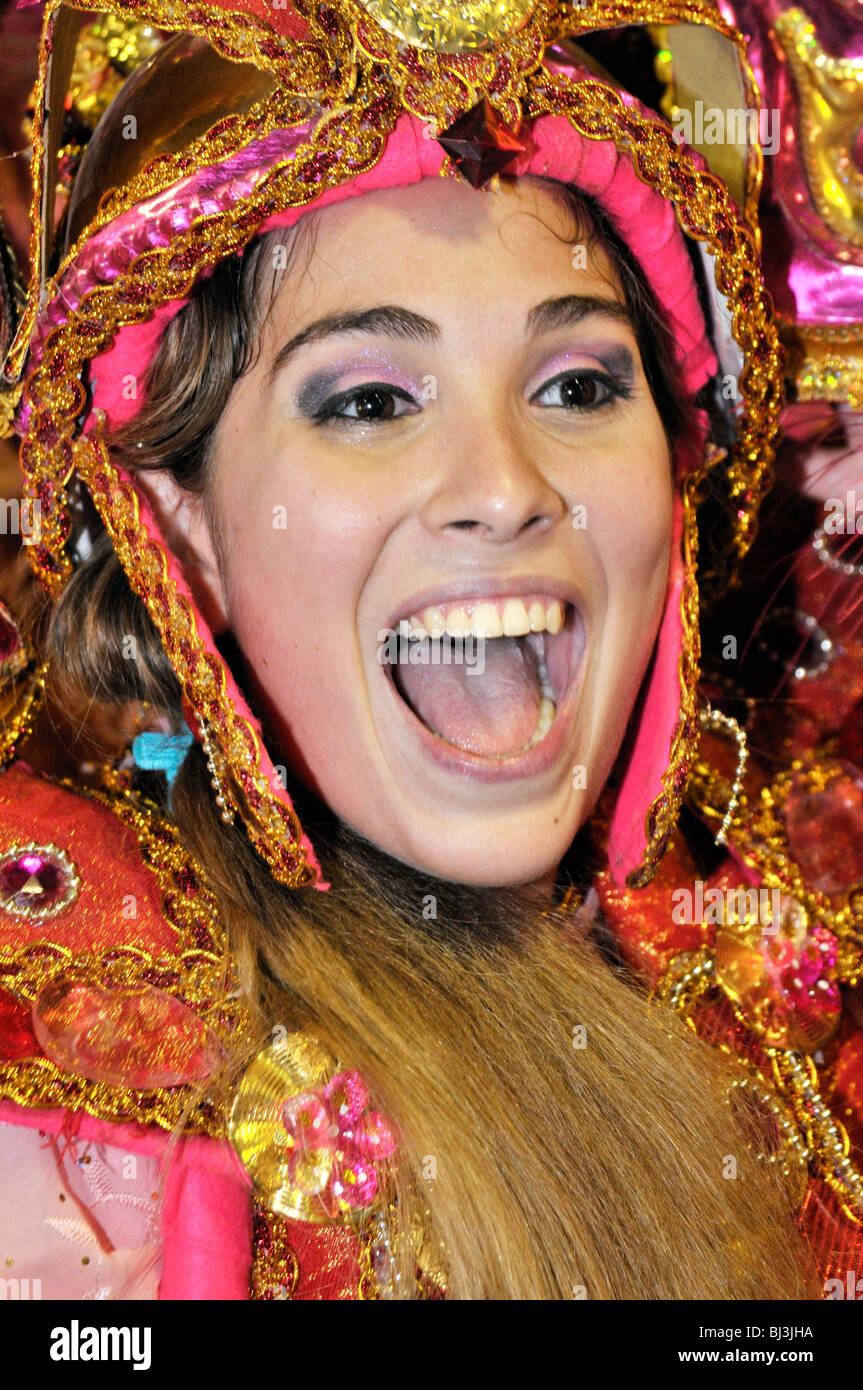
x=448 y=429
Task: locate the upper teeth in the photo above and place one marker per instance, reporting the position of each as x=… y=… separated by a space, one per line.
x=506 y=617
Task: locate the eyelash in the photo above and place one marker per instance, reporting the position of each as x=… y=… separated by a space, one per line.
x=330 y=410
x=617 y=389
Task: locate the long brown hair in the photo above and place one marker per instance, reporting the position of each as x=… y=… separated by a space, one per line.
x=558 y=1135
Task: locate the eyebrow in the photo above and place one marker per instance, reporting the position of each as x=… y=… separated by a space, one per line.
x=386 y=320
x=392 y=321
x=570 y=309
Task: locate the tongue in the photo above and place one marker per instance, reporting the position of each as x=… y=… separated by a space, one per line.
x=493 y=713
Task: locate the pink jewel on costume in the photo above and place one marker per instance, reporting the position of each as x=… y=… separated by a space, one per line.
x=137 y=1036
x=37 y=881
x=781 y=974
x=825 y=827
x=480 y=145
x=310 y=1139
x=333 y=1141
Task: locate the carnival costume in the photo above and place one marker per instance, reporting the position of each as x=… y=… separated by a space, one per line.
x=111 y=1023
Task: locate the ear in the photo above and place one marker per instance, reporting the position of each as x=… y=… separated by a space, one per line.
x=186 y=532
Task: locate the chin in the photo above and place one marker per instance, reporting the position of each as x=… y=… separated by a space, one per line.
x=490 y=862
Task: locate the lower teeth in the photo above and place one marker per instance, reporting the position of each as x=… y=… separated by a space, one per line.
x=547 y=711
x=547 y=708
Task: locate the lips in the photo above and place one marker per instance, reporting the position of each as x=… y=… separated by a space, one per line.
x=483 y=677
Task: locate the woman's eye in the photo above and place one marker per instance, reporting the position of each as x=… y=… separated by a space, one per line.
x=586 y=390
x=367 y=405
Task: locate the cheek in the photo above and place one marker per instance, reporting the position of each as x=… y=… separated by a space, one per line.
x=631 y=516
x=296 y=547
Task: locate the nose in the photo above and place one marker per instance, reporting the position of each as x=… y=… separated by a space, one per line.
x=490 y=488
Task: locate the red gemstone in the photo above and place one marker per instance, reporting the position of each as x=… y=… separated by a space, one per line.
x=480 y=145
x=412 y=61
x=318 y=165
x=376 y=111
x=46 y=560
x=45 y=493
x=133 y=294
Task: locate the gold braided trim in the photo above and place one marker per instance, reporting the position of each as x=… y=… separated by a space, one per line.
x=57 y=397
x=810 y=1136
x=54 y=389
x=663 y=813
x=18 y=722
x=197 y=972
x=20 y=344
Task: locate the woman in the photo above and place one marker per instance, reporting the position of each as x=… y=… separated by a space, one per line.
x=405 y=468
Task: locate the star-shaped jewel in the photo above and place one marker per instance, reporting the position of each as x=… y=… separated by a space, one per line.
x=480 y=145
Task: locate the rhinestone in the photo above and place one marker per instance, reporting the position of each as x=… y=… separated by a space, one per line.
x=37 y=881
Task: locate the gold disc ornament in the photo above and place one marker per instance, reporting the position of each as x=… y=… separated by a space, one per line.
x=451 y=28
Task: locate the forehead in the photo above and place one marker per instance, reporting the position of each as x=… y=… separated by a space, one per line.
x=442 y=240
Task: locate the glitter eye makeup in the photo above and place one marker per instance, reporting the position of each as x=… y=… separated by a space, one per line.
x=584 y=381
x=336 y=382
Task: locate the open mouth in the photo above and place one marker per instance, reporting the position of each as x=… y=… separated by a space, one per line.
x=486 y=676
